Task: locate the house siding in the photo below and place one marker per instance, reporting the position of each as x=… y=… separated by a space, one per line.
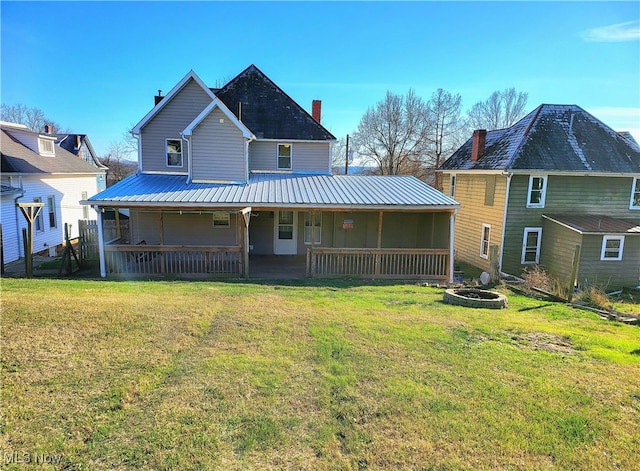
x=10 y=232
x=156 y=227
x=218 y=149
x=609 y=274
x=556 y=250
x=305 y=156
x=564 y=194
x=471 y=193
x=168 y=124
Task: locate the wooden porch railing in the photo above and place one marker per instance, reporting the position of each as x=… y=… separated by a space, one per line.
x=172 y=259
x=430 y=264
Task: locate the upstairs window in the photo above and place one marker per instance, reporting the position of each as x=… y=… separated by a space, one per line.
x=174 y=153
x=45 y=147
x=284 y=156
x=537 y=191
x=635 y=194
x=486 y=240
x=452 y=186
x=612 y=247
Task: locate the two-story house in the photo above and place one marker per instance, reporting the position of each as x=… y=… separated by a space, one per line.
x=559 y=188
x=35 y=169
x=80 y=146
x=243 y=170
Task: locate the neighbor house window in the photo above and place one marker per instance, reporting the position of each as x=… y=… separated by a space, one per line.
x=452 y=186
x=51 y=206
x=537 y=190
x=531 y=245
x=174 y=153
x=45 y=146
x=284 y=156
x=486 y=239
x=317 y=228
x=221 y=220
x=612 y=247
x=85 y=208
x=635 y=194
x=39 y=223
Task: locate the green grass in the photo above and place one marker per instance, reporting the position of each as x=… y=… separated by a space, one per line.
x=198 y=375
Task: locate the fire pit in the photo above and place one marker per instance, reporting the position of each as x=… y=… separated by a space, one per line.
x=474 y=297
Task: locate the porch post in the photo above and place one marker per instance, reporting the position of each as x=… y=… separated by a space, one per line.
x=103 y=265
x=379 y=246
x=118 y=228
x=246 y=216
x=452 y=220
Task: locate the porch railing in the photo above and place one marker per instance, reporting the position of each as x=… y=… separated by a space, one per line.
x=172 y=259
x=432 y=264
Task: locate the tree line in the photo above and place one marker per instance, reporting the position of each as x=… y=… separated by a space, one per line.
x=405 y=135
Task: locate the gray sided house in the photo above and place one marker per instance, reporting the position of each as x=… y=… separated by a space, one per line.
x=234 y=174
x=559 y=189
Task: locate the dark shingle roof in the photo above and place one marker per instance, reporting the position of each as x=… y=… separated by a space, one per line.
x=268 y=111
x=68 y=143
x=596 y=223
x=18 y=158
x=561 y=138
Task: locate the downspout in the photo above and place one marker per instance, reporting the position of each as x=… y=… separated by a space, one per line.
x=137 y=137
x=504 y=223
x=452 y=221
x=103 y=266
x=190 y=160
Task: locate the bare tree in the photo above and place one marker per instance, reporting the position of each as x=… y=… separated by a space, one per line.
x=394 y=134
x=501 y=110
x=117 y=163
x=32 y=118
x=447 y=125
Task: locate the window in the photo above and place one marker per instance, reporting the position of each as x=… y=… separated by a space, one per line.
x=174 y=153
x=85 y=208
x=39 y=226
x=452 y=186
x=635 y=194
x=486 y=239
x=317 y=228
x=51 y=206
x=285 y=225
x=612 y=247
x=531 y=245
x=537 y=190
x=221 y=220
x=45 y=146
x=284 y=156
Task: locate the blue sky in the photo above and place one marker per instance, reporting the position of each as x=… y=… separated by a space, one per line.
x=94 y=66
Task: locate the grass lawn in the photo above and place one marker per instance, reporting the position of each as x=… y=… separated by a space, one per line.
x=198 y=375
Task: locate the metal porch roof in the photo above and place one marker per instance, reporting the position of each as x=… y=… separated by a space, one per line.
x=595 y=223
x=277 y=190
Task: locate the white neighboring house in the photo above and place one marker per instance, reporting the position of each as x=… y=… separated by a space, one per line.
x=34 y=168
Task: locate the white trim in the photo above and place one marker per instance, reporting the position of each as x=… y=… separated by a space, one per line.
x=607 y=238
x=543 y=192
x=166 y=153
x=169 y=96
x=290 y=156
x=45 y=152
x=527 y=230
x=217 y=103
x=635 y=188
x=504 y=221
x=482 y=254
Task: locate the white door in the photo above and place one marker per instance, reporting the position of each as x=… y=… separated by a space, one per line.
x=285 y=238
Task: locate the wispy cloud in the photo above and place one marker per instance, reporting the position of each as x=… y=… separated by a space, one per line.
x=628 y=31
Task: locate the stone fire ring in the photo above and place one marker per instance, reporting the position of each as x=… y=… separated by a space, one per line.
x=477 y=298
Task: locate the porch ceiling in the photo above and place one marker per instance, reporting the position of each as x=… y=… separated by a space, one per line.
x=270 y=190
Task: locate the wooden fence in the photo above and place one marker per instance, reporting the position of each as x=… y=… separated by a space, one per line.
x=432 y=264
x=173 y=259
x=88 y=241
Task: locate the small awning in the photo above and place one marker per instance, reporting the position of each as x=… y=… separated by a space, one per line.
x=595 y=223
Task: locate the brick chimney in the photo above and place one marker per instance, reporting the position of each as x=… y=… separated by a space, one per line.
x=47 y=129
x=78 y=141
x=157 y=98
x=477 y=145
x=316 y=108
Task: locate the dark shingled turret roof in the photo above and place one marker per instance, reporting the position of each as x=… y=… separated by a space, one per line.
x=268 y=111
x=562 y=138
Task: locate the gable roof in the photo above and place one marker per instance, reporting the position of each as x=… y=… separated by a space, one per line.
x=68 y=143
x=561 y=138
x=267 y=110
x=18 y=158
x=273 y=190
x=191 y=75
x=216 y=103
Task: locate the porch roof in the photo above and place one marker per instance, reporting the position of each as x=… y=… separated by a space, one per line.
x=595 y=223
x=277 y=190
